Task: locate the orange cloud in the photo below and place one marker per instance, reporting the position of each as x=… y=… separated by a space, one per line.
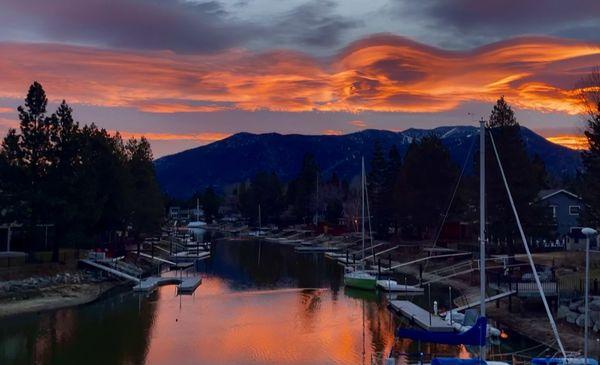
x=358 y=123
x=576 y=142
x=382 y=73
x=332 y=132
x=205 y=137
x=4 y=110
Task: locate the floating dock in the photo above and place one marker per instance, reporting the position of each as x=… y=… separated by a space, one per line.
x=184 y=285
x=420 y=316
x=153 y=282
x=189 y=285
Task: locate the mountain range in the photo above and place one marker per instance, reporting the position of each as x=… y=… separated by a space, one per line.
x=240 y=156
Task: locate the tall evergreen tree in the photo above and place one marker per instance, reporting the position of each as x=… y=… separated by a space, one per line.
x=393 y=192
x=526 y=176
x=590 y=187
x=302 y=192
x=211 y=203
x=29 y=153
x=378 y=191
x=79 y=179
x=146 y=198
x=333 y=196
x=428 y=177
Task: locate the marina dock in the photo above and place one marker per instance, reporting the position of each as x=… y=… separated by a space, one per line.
x=420 y=316
x=189 y=285
x=153 y=282
x=184 y=285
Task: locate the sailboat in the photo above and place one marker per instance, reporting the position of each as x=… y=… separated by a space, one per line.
x=197 y=223
x=356 y=278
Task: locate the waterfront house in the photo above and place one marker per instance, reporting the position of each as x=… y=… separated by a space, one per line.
x=566 y=208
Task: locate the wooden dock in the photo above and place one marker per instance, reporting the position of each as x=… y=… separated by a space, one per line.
x=420 y=316
x=487 y=300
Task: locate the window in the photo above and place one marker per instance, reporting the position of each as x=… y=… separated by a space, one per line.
x=574 y=209
x=553 y=210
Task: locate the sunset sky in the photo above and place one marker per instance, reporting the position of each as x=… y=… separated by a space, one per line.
x=186 y=73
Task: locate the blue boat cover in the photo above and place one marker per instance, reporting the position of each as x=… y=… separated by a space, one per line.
x=455 y=361
x=474 y=336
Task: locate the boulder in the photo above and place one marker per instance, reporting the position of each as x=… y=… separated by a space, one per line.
x=595 y=305
x=575 y=305
x=562 y=312
x=595 y=316
x=572 y=317
x=580 y=321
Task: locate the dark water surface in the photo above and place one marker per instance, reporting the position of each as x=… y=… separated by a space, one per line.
x=258 y=304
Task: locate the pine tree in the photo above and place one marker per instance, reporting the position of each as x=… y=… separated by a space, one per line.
x=590 y=187
x=333 y=194
x=393 y=190
x=210 y=204
x=378 y=191
x=302 y=193
x=428 y=174
x=79 y=179
x=146 y=198
x=526 y=176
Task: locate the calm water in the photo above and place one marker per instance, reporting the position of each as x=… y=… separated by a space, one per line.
x=258 y=304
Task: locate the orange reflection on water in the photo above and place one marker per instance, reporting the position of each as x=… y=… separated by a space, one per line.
x=289 y=326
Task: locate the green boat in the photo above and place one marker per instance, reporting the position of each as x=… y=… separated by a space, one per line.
x=360 y=280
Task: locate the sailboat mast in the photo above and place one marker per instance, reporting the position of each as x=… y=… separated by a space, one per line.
x=362 y=183
x=482 y=223
x=197 y=209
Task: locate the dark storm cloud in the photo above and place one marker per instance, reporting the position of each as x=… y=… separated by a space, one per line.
x=474 y=22
x=177 y=25
x=315 y=24
x=155 y=24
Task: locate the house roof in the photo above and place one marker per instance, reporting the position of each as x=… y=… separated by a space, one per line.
x=545 y=194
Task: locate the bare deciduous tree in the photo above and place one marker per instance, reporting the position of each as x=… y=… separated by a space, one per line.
x=588 y=90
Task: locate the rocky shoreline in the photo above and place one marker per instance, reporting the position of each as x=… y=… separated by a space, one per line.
x=42 y=293
x=574 y=313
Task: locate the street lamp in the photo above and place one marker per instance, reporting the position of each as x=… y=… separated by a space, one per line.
x=589 y=233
